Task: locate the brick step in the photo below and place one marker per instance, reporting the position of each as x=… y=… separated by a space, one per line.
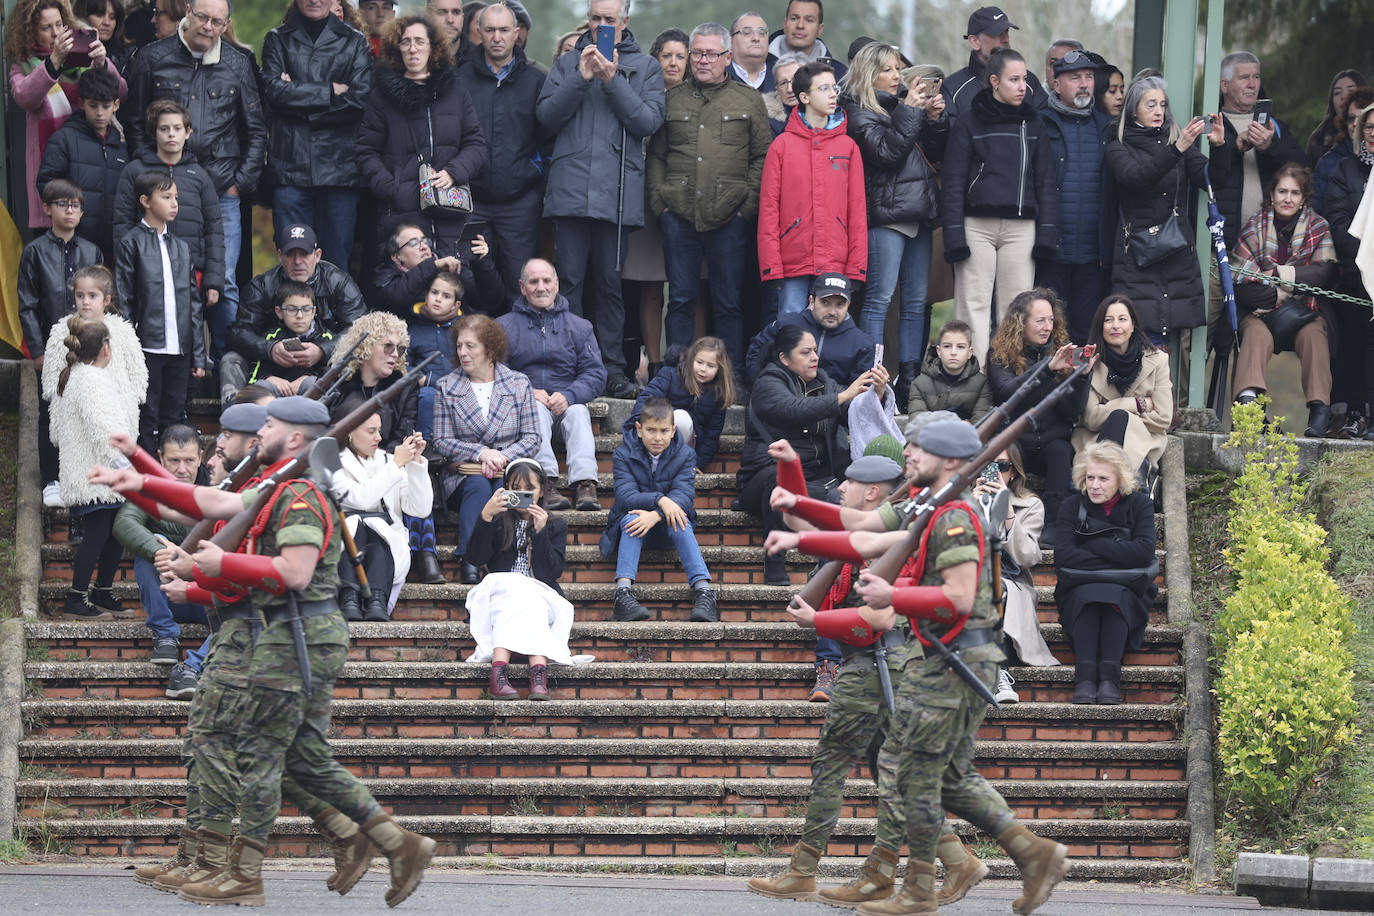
x=566 y=718
x=1068 y=799
x=621 y=836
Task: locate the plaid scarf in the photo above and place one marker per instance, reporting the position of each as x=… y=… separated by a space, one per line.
x=62 y=98
x=1258 y=246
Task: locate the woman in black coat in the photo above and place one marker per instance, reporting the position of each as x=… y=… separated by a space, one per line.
x=418 y=110
x=1108 y=527
x=1155 y=165
x=1353 y=376
x=793 y=400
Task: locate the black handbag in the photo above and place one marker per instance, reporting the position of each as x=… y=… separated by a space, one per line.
x=1152 y=244
x=1286 y=321
x=1138 y=579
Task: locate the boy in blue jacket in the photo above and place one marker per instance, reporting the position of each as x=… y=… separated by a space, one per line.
x=655 y=492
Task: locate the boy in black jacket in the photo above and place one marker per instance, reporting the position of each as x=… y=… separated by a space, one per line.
x=295 y=308
x=157 y=293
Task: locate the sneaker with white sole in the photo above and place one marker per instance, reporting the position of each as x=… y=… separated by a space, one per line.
x=181 y=683
x=52 y=495
x=1005 y=693
x=166 y=650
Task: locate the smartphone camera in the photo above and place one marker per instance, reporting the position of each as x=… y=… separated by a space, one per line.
x=519 y=499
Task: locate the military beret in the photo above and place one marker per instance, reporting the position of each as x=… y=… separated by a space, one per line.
x=873 y=469
x=949 y=439
x=299 y=411
x=243 y=418
x=918 y=422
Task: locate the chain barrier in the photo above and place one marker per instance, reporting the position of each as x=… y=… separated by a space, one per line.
x=1267 y=280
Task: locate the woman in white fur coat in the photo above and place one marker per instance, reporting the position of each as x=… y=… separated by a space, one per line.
x=93 y=288
x=373 y=490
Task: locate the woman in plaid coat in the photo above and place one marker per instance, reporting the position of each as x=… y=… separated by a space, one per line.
x=483 y=419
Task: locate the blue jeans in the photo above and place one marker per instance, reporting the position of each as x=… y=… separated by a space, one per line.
x=828 y=650
x=472 y=494
x=163 y=616
x=424 y=418
x=221 y=315
x=894 y=257
x=793 y=294
x=684 y=540
x=727 y=251
x=331 y=212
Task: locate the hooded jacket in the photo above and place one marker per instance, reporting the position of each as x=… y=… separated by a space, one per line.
x=94 y=165
x=44 y=298
x=505 y=115
x=198 y=221
x=640 y=485
x=899 y=149
x=138 y=277
x=813 y=217
x=807 y=414
x=846 y=352
x=338 y=303
x=556 y=349
x=969 y=395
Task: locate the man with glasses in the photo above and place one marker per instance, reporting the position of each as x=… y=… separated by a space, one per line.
x=704 y=170
x=750 y=62
x=216 y=83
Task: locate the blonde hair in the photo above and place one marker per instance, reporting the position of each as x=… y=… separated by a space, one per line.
x=1112 y=455
x=84 y=341
x=376 y=325
x=858 y=82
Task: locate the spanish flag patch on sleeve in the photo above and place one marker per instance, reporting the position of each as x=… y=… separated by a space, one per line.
x=953 y=532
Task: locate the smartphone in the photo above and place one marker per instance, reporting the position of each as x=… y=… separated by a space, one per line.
x=293 y=344
x=605 y=40
x=80 y=54
x=1082 y=354
x=1264 y=108
x=877 y=355
x=990 y=473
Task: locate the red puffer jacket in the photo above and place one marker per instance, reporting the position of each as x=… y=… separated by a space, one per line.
x=812 y=214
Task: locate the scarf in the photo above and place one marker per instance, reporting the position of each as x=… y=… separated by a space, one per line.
x=1123 y=368
x=1058 y=105
x=1365 y=155
x=1258 y=246
x=62 y=98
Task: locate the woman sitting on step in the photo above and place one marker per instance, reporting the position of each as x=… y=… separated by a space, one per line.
x=1104 y=558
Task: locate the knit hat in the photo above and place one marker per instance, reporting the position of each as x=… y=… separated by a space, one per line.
x=887 y=446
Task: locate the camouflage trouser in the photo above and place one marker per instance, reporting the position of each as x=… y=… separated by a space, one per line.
x=282 y=733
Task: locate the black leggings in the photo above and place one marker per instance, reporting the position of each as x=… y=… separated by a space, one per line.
x=99 y=551
x=757 y=490
x=1099 y=633
x=377 y=561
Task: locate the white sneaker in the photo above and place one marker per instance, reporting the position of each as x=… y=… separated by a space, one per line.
x=1005 y=693
x=52 y=495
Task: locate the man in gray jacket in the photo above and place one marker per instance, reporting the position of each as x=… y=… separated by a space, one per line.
x=600 y=111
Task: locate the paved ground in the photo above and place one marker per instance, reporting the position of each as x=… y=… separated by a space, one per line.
x=76 y=891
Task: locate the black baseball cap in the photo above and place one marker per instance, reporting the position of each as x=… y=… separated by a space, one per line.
x=297 y=238
x=832 y=284
x=989 y=20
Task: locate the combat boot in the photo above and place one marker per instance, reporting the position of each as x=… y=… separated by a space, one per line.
x=352 y=850
x=1043 y=864
x=877 y=877
x=917 y=895
x=211 y=857
x=186 y=850
x=240 y=883
x=407 y=852
x=798 y=882
x=963 y=869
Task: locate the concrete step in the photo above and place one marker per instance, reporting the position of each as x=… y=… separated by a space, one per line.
x=204 y=412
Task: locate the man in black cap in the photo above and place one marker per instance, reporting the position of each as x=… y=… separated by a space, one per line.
x=845 y=350
x=988 y=29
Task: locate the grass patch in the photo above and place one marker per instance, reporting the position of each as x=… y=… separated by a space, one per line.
x=9 y=496
x=13 y=851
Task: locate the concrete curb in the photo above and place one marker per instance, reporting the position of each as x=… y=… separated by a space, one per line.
x=28 y=523
x=11 y=726
x=1178 y=571
x=1206 y=450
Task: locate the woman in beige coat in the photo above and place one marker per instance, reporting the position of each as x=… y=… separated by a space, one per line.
x=1130 y=398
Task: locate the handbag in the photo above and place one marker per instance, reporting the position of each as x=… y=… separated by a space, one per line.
x=1152 y=244
x=455 y=200
x=1286 y=321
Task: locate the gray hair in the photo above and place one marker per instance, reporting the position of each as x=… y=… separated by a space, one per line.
x=624 y=9
x=791 y=57
x=229 y=3
x=1073 y=44
x=710 y=30
x=1228 y=63
x=1134 y=93
x=735 y=24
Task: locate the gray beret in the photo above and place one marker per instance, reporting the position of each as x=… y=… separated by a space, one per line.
x=918 y=422
x=298 y=410
x=873 y=469
x=243 y=418
x=949 y=439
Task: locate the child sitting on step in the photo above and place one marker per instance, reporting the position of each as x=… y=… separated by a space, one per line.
x=701 y=387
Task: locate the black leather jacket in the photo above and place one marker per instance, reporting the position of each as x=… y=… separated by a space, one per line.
x=230 y=130
x=138 y=277
x=338 y=303
x=44 y=298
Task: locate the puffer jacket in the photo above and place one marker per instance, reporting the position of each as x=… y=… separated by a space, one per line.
x=845 y=352
x=198 y=221
x=999 y=164
x=812 y=214
x=706 y=161
x=90 y=409
x=505 y=114
x=898 y=149
x=806 y=414
x=93 y=164
x=310 y=129
x=1079 y=143
x=556 y=349
x=220 y=90
x=969 y=395
x=1228 y=171
x=138 y=277
x=338 y=303
x=44 y=298
x=708 y=417
x=593 y=124
x=640 y=485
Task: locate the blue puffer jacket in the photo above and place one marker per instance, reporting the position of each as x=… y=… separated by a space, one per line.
x=639 y=485
x=708 y=417
x=1079 y=142
x=556 y=349
x=427 y=337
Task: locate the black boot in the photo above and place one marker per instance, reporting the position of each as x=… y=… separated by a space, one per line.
x=627 y=606
x=906 y=377
x=1318 y=420
x=376 y=605
x=775 y=570
x=704 y=604
x=1085 y=683
x=348 y=603
x=424 y=567
x=468 y=573
x=1109 y=684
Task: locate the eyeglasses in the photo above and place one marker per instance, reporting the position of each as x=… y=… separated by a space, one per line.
x=208 y=20
x=422 y=42
x=709 y=57
x=66 y=204
x=392 y=349
x=296 y=309
x=751 y=33
x=1004 y=466
x=782 y=83
x=829 y=89
x=417 y=242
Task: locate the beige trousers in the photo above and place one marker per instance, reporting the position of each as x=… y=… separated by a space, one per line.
x=999 y=258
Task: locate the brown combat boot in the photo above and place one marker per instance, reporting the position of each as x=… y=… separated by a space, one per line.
x=963 y=869
x=407 y=852
x=916 y=897
x=798 y=882
x=211 y=857
x=239 y=884
x=186 y=849
x=1043 y=864
x=877 y=877
x=351 y=849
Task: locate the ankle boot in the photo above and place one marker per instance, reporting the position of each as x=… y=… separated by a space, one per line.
x=798 y=882
x=351 y=849
x=407 y=852
x=103 y=597
x=1109 y=684
x=1085 y=683
x=499 y=684
x=1043 y=864
x=240 y=883
x=211 y=855
x=539 y=682
x=186 y=850
x=963 y=869
x=348 y=603
x=875 y=881
x=627 y=607
x=376 y=605
x=1318 y=420
x=916 y=896
x=429 y=571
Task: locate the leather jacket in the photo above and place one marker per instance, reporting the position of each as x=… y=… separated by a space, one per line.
x=138 y=277
x=338 y=303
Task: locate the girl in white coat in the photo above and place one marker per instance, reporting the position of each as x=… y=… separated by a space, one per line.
x=94 y=291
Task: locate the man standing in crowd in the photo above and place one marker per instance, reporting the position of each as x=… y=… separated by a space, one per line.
x=1055 y=53
x=802 y=27
x=558 y=352
x=750 y=62
x=988 y=29
x=600 y=111
x=214 y=81
x=845 y=349
x=376 y=14
x=704 y=172
x=449 y=16
x=504 y=88
x=316 y=76
x=1078 y=132
x=338 y=303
